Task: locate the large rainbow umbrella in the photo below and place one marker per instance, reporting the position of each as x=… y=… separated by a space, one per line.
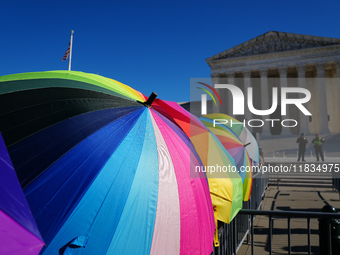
x=19 y=233
x=225 y=186
x=102 y=171
x=232 y=143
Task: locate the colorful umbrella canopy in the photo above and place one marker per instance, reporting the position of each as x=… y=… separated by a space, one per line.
x=243 y=133
x=19 y=233
x=237 y=150
x=102 y=172
x=225 y=186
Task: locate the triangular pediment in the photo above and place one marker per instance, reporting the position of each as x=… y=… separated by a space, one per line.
x=275 y=42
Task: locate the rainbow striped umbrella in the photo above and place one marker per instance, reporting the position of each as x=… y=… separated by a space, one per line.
x=243 y=133
x=225 y=186
x=232 y=143
x=249 y=142
x=19 y=233
x=102 y=171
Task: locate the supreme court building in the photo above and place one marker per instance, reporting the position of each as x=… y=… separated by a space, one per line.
x=277 y=59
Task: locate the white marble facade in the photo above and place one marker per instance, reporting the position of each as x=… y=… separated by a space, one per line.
x=277 y=59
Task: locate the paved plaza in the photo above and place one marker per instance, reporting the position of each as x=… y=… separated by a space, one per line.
x=309 y=199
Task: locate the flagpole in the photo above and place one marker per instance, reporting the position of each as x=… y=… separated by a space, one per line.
x=69 y=60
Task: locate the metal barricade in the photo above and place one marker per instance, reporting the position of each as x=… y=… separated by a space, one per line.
x=232 y=235
x=289 y=215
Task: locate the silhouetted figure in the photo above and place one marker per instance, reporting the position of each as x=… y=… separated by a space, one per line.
x=318 y=141
x=302 y=141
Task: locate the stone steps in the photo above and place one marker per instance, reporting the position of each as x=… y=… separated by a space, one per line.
x=300 y=175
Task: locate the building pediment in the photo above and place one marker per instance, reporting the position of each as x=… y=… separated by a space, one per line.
x=275 y=42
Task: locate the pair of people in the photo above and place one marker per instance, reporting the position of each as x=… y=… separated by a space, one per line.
x=317 y=142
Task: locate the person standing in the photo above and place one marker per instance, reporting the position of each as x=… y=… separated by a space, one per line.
x=317 y=142
x=302 y=141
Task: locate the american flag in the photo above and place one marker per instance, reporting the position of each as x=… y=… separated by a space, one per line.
x=67 y=53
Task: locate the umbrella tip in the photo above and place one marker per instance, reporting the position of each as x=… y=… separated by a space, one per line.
x=247 y=144
x=151 y=98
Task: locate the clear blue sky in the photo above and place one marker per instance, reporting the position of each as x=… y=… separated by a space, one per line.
x=148 y=45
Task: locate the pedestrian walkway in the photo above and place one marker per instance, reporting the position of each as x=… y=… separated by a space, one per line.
x=310 y=199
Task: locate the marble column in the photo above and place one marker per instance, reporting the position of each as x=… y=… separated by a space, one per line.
x=337 y=70
x=247 y=84
x=216 y=108
x=303 y=122
x=264 y=100
x=337 y=67
x=284 y=84
x=229 y=101
x=321 y=85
